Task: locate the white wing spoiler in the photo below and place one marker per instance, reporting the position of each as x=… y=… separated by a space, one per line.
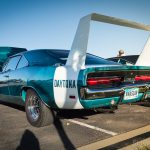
x=77 y=55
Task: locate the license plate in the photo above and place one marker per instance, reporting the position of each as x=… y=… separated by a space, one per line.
x=131 y=93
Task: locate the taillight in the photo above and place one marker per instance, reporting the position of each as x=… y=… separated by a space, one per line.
x=98 y=81
x=142 y=78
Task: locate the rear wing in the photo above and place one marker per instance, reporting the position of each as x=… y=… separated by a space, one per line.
x=77 y=55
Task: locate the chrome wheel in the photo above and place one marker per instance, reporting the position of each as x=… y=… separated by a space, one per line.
x=38 y=114
x=34 y=107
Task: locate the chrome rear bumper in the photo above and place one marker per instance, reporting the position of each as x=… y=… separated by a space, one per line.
x=90 y=93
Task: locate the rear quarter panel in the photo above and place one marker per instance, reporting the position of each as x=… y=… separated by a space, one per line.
x=41 y=80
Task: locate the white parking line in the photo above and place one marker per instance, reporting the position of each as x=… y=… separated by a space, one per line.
x=92 y=127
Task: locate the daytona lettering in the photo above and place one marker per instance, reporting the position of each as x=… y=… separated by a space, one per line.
x=65 y=83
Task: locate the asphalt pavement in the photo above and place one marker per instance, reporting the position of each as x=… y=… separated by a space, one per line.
x=72 y=130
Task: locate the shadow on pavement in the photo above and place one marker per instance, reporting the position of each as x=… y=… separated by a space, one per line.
x=82 y=114
x=15 y=106
x=68 y=145
x=28 y=142
x=67 y=114
x=144 y=103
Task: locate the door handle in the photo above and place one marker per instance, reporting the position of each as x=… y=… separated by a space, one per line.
x=6 y=76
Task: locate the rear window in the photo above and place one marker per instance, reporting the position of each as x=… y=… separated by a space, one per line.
x=52 y=57
x=95 y=60
x=90 y=59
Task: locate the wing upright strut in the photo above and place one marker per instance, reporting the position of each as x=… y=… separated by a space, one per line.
x=144 y=58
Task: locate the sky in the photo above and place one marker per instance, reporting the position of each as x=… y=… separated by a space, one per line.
x=36 y=24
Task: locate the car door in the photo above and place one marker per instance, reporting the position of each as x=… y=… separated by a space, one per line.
x=5 y=78
x=17 y=79
x=4 y=90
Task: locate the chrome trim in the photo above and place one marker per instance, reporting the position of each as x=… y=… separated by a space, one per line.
x=93 y=91
x=90 y=93
x=86 y=93
x=34 y=107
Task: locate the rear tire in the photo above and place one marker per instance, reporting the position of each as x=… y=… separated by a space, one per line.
x=38 y=114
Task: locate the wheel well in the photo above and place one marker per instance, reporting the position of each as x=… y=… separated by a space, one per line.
x=24 y=92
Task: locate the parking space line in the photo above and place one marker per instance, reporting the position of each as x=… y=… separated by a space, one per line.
x=93 y=127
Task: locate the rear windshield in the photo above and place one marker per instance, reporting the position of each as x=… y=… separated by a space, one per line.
x=90 y=59
x=52 y=57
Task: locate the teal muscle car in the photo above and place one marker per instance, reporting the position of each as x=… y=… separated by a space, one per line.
x=44 y=80
x=41 y=81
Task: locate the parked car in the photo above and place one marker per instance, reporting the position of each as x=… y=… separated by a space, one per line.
x=125 y=60
x=41 y=81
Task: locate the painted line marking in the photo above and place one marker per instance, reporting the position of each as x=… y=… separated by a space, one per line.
x=93 y=127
